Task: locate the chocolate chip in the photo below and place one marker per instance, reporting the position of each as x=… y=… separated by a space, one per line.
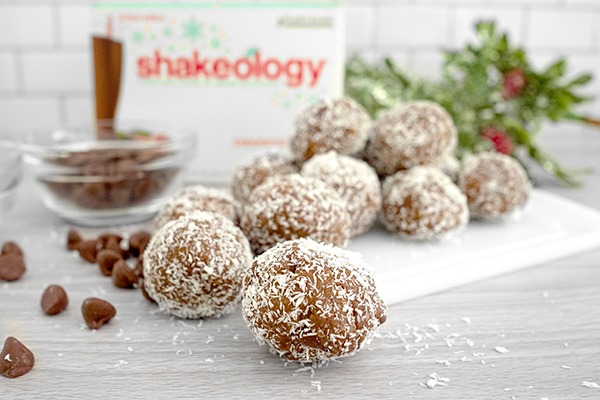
x=97 y=312
x=12 y=267
x=54 y=300
x=73 y=239
x=88 y=250
x=113 y=242
x=106 y=260
x=145 y=293
x=106 y=237
x=11 y=247
x=138 y=242
x=124 y=277
x=15 y=359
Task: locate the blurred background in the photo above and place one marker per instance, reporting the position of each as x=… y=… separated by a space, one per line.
x=46 y=71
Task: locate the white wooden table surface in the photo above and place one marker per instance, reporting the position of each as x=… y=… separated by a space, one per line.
x=546 y=316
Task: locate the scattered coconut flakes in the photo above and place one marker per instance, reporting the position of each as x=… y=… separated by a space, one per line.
x=592 y=385
x=501 y=350
x=565 y=367
x=209 y=360
x=316 y=384
x=443 y=362
x=210 y=339
x=307 y=368
x=467 y=320
x=130 y=349
x=121 y=362
x=507 y=389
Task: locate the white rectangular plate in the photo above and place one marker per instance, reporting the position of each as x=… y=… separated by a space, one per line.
x=549 y=228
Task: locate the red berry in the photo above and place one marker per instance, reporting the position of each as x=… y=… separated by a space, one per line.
x=514 y=82
x=502 y=142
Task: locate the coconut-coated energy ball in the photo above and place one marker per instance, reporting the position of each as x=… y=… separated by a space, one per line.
x=423 y=203
x=289 y=207
x=339 y=124
x=495 y=184
x=415 y=133
x=194 y=265
x=198 y=198
x=311 y=302
x=256 y=169
x=354 y=180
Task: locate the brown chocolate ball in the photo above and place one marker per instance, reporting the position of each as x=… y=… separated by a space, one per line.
x=194 y=265
x=340 y=124
x=198 y=198
x=256 y=169
x=290 y=207
x=495 y=184
x=415 y=133
x=311 y=302
x=423 y=203
x=355 y=181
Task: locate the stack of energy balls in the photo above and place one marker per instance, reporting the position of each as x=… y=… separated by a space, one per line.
x=277 y=240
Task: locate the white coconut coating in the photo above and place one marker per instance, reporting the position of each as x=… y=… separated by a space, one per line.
x=194 y=265
x=311 y=302
x=338 y=124
x=354 y=180
x=289 y=207
x=255 y=170
x=198 y=198
x=415 y=133
x=423 y=203
x=495 y=184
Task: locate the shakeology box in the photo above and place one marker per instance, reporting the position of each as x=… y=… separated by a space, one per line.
x=237 y=73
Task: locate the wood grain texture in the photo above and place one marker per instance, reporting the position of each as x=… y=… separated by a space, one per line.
x=545 y=316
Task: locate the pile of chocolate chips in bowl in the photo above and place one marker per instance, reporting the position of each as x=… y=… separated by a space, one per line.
x=124 y=179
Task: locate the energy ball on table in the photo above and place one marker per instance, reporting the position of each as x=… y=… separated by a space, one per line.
x=311 y=302
x=423 y=203
x=289 y=207
x=198 y=198
x=339 y=124
x=496 y=185
x=354 y=180
x=415 y=133
x=256 y=169
x=194 y=266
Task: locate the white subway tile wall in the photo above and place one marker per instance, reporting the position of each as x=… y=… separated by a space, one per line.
x=46 y=76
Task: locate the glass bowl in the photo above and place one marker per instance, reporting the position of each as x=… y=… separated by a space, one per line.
x=123 y=180
x=10 y=176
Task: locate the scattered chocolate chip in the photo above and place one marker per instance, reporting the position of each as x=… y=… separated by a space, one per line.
x=105 y=238
x=12 y=248
x=15 y=359
x=97 y=312
x=138 y=242
x=106 y=260
x=88 y=250
x=12 y=267
x=124 y=277
x=73 y=239
x=113 y=244
x=145 y=293
x=54 y=300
